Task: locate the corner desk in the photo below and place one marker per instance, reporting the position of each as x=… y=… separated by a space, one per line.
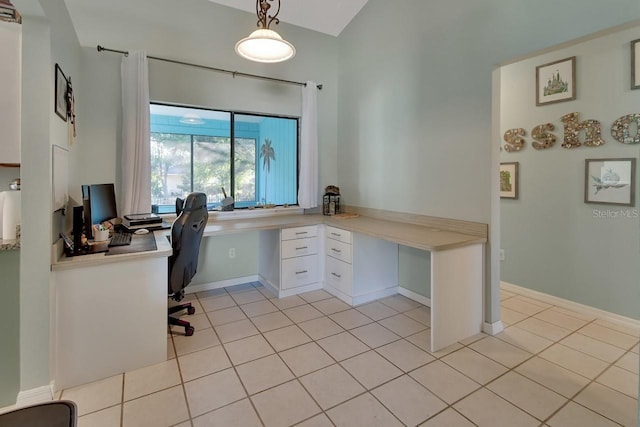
x=110 y=311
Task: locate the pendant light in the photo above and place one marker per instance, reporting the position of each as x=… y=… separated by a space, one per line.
x=264 y=44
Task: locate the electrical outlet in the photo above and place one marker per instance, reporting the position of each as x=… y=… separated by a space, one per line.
x=501 y=254
x=232 y=253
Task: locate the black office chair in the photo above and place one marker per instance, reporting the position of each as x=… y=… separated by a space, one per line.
x=186 y=234
x=60 y=413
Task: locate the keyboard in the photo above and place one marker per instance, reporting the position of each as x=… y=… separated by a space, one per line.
x=120 y=239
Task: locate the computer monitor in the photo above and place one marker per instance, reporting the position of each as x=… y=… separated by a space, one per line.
x=99 y=202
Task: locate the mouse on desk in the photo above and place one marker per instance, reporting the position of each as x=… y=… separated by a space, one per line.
x=141 y=231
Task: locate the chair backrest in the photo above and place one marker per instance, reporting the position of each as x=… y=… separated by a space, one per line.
x=59 y=413
x=186 y=234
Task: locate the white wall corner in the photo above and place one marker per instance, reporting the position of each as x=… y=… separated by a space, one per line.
x=493 y=328
x=35 y=395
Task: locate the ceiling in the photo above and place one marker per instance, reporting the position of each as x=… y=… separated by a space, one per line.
x=325 y=16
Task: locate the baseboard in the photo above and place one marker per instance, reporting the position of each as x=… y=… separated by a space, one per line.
x=414 y=296
x=191 y=289
x=493 y=328
x=35 y=395
x=570 y=305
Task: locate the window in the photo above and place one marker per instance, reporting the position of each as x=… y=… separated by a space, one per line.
x=192 y=150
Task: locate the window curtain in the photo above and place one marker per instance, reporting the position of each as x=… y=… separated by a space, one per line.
x=308 y=188
x=136 y=156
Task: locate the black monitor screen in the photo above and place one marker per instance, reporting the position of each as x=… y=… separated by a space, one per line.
x=99 y=201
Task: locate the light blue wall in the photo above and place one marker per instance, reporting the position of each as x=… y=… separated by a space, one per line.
x=10 y=327
x=279 y=187
x=415 y=105
x=553 y=241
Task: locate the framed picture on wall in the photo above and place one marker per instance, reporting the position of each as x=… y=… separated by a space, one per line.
x=610 y=181
x=556 y=81
x=635 y=64
x=509 y=180
x=61 y=94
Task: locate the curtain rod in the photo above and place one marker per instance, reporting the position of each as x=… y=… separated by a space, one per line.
x=205 y=67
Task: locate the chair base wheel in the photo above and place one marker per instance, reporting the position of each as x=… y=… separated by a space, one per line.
x=188 y=331
x=191 y=310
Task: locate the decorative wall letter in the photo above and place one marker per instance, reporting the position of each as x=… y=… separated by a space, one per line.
x=514 y=140
x=543 y=137
x=620 y=129
x=572 y=128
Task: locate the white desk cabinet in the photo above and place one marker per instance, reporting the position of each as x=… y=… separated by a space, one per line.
x=289 y=260
x=108 y=319
x=359 y=268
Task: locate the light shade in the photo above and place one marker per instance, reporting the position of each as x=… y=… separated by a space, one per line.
x=265 y=45
x=191 y=119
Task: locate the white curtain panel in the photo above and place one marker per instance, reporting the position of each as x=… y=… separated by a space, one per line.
x=308 y=189
x=136 y=156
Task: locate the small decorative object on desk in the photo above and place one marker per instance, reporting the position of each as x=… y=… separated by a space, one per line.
x=331 y=200
x=227 y=203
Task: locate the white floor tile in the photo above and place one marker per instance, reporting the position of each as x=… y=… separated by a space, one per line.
x=238 y=414
x=285 y=405
x=151 y=379
x=95 y=396
x=444 y=381
x=489 y=410
x=363 y=411
x=213 y=391
x=203 y=362
x=610 y=403
x=331 y=386
x=164 y=408
x=408 y=400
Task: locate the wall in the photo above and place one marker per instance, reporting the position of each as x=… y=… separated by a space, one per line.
x=7 y=174
x=206 y=37
x=553 y=241
x=414 y=107
x=9 y=327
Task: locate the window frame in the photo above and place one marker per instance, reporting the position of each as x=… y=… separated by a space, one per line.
x=214 y=206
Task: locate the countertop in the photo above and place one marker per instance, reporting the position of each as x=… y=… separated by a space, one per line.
x=408 y=234
x=9 y=245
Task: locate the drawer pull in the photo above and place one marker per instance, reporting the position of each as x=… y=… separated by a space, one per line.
x=301 y=248
x=301 y=232
x=339 y=276
x=301 y=272
x=336 y=234
x=336 y=250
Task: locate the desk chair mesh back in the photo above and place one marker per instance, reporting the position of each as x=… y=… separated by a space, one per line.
x=186 y=234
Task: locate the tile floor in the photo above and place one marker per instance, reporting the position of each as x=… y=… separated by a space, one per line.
x=312 y=360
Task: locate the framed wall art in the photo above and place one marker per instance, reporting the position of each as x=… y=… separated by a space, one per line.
x=509 y=180
x=61 y=106
x=610 y=181
x=635 y=64
x=556 y=81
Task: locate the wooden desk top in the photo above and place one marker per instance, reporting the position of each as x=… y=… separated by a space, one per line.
x=163 y=249
x=425 y=237
x=413 y=235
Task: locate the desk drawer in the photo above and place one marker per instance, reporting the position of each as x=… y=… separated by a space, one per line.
x=299 y=247
x=338 y=234
x=299 y=232
x=338 y=275
x=299 y=271
x=339 y=250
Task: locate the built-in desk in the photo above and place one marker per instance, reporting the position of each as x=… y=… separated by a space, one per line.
x=109 y=313
x=457 y=261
